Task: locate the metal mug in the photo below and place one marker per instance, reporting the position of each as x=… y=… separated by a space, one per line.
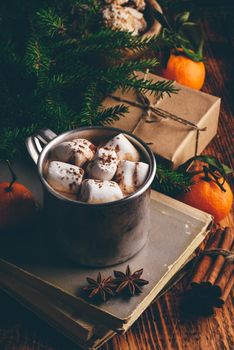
x=95 y=234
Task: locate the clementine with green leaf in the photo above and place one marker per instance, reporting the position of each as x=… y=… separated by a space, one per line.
x=209 y=193
x=185 y=70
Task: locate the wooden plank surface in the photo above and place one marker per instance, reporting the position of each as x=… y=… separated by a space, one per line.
x=162 y=326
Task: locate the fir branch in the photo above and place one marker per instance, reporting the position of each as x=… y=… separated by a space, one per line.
x=79 y=71
x=36 y=56
x=171 y=182
x=159 y=87
x=50 y=23
x=72 y=47
x=54 y=82
x=58 y=116
x=16 y=137
x=108 y=40
x=128 y=67
x=108 y=115
x=90 y=105
x=59 y=72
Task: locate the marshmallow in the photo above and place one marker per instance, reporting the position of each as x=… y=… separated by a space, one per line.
x=137 y=4
x=77 y=152
x=131 y=175
x=104 y=164
x=98 y=191
x=64 y=177
x=116 y=2
x=124 y=18
x=124 y=149
x=63 y=152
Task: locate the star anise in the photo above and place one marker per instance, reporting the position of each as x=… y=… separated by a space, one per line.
x=101 y=288
x=128 y=281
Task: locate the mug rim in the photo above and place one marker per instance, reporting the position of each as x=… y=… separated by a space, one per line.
x=135 y=194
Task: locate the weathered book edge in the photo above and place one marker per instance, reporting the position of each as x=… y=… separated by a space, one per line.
x=54 y=316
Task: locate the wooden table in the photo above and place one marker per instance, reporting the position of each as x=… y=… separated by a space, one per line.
x=162 y=326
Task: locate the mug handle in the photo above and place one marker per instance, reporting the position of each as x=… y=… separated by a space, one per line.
x=37 y=141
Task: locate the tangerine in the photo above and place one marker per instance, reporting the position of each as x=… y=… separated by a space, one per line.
x=17 y=205
x=207 y=195
x=185 y=71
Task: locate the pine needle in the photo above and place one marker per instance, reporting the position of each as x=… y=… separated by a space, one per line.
x=57 y=65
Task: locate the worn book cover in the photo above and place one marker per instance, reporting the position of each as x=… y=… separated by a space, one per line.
x=82 y=333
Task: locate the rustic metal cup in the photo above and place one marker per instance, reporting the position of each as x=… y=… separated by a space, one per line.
x=95 y=234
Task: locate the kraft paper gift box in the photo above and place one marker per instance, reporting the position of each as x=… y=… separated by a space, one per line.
x=170 y=140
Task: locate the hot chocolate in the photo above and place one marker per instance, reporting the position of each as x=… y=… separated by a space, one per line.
x=96 y=173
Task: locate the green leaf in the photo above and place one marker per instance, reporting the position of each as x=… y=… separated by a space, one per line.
x=213 y=162
x=190 y=54
x=181 y=18
x=193 y=33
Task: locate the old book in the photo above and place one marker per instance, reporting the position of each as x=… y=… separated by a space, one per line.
x=85 y=334
x=64 y=321
x=177 y=230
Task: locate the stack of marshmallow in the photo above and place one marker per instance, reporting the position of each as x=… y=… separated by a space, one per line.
x=97 y=175
x=125 y=15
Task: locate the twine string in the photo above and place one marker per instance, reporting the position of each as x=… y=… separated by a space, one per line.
x=149 y=109
x=227 y=254
x=158 y=111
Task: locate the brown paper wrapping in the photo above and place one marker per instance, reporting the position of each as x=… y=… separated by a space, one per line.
x=170 y=140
